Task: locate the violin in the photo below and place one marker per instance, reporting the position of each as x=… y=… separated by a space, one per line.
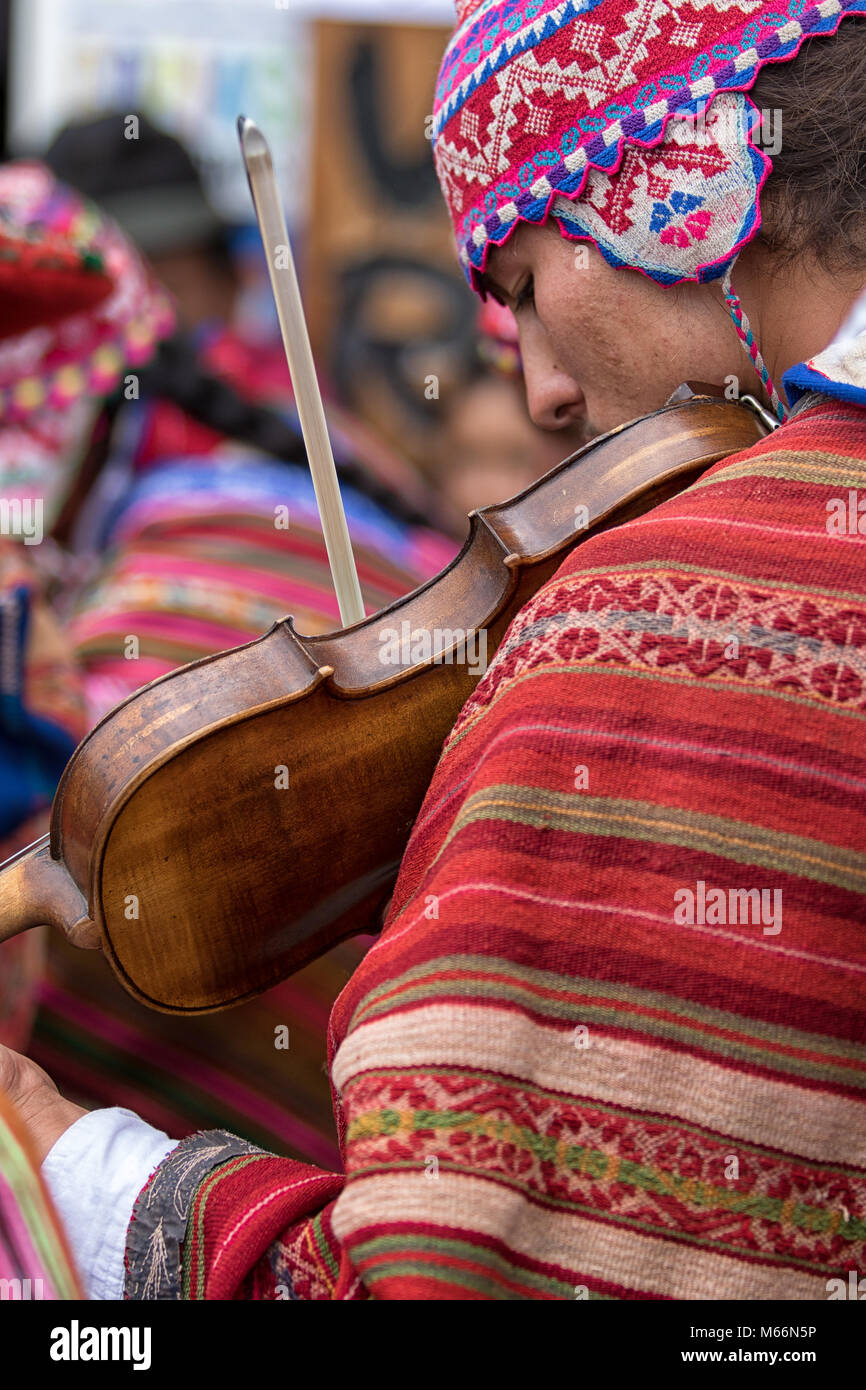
x=235 y=819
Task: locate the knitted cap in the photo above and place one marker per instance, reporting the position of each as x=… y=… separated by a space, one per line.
x=77 y=305
x=78 y=308
x=625 y=120
x=149 y=186
x=44 y=279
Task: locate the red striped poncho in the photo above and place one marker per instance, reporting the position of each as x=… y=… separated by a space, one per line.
x=611 y=1042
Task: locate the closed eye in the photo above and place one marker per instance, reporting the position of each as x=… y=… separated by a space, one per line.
x=526 y=297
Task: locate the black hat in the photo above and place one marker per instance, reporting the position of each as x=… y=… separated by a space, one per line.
x=143 y=177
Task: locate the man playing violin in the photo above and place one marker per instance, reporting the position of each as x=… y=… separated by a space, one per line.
x=611 y=1040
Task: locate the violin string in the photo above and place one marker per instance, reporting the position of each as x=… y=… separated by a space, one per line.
x=41 y=843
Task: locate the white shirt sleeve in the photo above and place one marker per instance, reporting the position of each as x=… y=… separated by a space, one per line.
x=94 y=1173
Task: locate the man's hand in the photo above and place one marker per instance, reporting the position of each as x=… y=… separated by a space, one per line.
x=40 y=1106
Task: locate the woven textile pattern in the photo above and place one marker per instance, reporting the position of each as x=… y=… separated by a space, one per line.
x=533 y=97
x=674 y=209
x=613 y=1037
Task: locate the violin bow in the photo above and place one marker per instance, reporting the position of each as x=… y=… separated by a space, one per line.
x=299 y=355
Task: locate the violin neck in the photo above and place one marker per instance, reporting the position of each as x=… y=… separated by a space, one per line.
x=42 y=843
x=36 y=890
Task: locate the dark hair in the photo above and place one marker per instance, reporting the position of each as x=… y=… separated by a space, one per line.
x=148 y=183
x=175 y=374
x=814 y=201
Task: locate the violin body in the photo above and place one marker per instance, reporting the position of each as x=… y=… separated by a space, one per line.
x=233 y=820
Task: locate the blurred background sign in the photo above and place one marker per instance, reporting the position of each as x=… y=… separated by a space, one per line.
x=389 y=308
x=191 y=65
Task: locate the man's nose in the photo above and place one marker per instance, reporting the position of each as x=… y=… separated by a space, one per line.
x=554 y=399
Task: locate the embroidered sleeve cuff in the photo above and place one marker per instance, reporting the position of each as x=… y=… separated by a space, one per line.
x=95 y=1172
x=158 y=1228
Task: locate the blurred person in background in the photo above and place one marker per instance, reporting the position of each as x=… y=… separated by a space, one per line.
x=78 y=306
x=146 y=181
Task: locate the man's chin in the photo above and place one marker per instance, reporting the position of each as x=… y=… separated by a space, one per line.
x=616 y=417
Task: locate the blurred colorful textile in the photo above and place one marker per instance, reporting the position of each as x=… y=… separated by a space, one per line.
x=42 y=719
x=35 y=1262
x=79 y=308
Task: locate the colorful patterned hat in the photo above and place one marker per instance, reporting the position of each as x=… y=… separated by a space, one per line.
x=43 y=279
x=625 y=120
x=77 y=304
x=78 y=308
